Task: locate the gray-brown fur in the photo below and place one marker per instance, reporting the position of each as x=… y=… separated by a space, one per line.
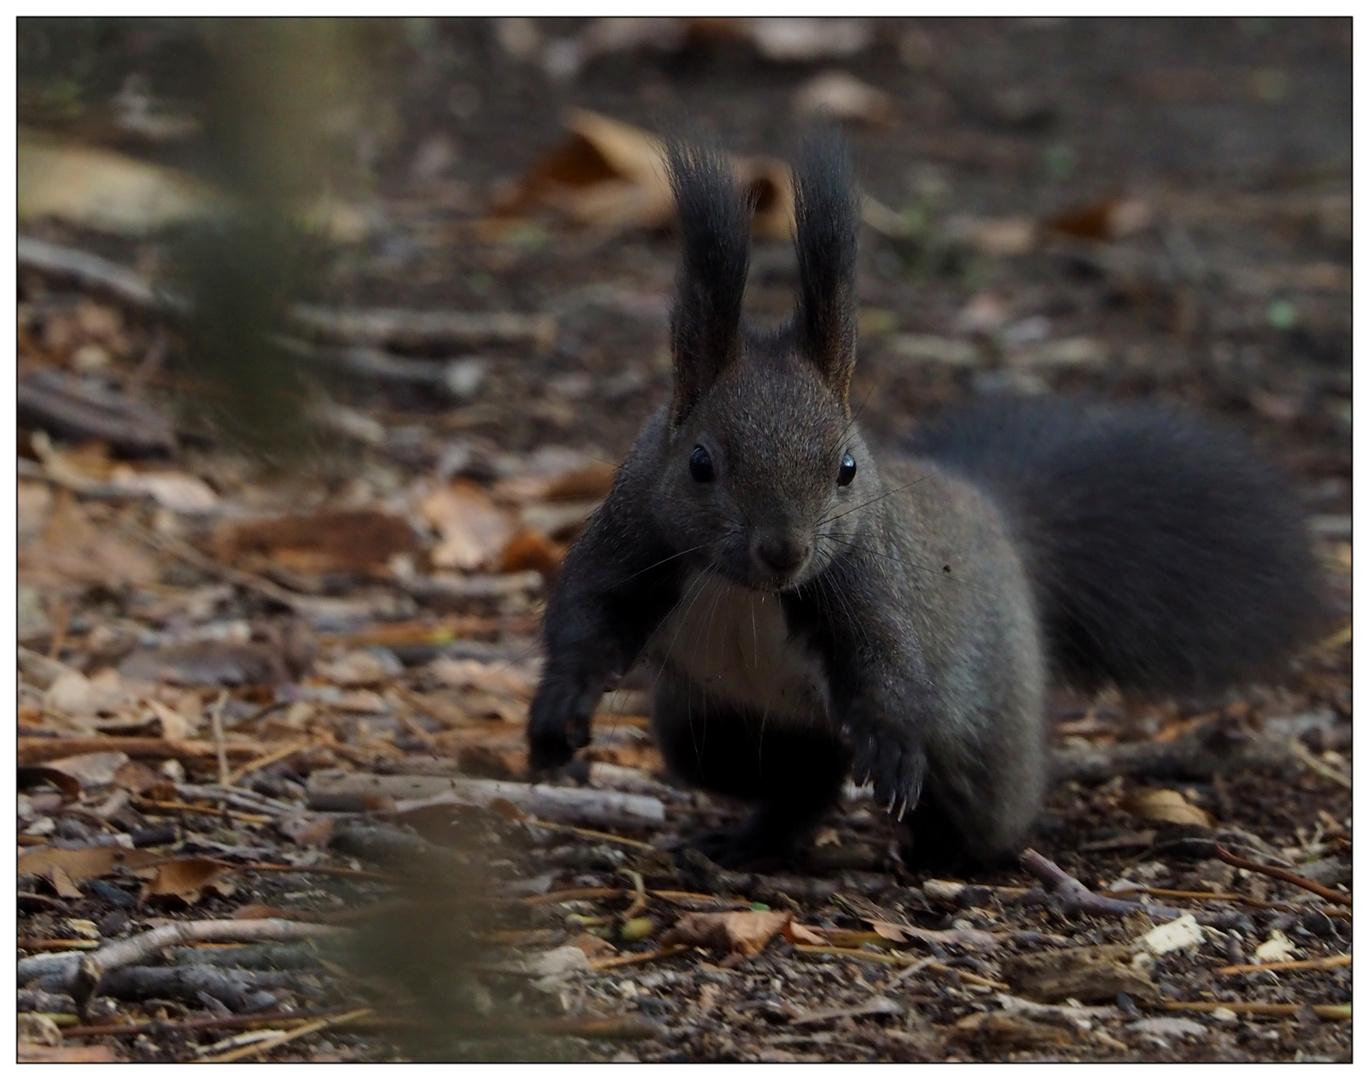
x=895 y=616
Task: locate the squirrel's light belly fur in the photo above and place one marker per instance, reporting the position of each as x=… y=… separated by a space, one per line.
x=736 y=645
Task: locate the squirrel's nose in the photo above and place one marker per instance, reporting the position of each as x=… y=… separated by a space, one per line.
x=778 y=552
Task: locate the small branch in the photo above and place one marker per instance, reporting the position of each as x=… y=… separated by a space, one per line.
x=1324 y=963
x=1259 y=1008
x=1208 y=750
x=1334 y=895
x=96 y=274
x=391 y=326
x=608 y=963
x=34 y=749
x=1075 y=897
x=130 y=950
x=288 y=1036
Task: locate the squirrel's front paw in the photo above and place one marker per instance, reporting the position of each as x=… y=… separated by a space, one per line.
x=892 y=760
x=558 y=722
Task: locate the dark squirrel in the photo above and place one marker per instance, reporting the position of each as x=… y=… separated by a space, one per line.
x=813 y=615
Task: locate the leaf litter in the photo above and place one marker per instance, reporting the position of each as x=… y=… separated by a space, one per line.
x=210 y=654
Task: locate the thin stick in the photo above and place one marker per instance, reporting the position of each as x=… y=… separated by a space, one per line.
x=156 y=806
x=1074 y=895
x=131 y=950
x=638 y=904
x=893 y=958
x=216 y=719
x=1323 y=963
x=215 y=1023
x=1334 y=895
x=1259 y=1008
x=278 y=754
x=609 y=962
x=570 y=894
x=288 y=1036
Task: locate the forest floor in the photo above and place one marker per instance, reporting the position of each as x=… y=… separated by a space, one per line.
x=245 y=689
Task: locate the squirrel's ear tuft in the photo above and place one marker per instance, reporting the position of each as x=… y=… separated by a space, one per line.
x=715 y=234
x=827 y=216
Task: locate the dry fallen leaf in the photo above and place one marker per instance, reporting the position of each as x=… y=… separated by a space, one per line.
x=336 y=541
x=90 y=770
x=1107 y=219
x=1167 y=806
x=532 y=549
x=841 y=96
x=743 y=932
x=104 y=190
x=176 y=491
x=474 y=531
x=188 y=878
x=99 y=1053
x=81 y=864
x=804 y=935
x=613 y=175
x=1182 y=933
x=74 y=550
x=1275 y=949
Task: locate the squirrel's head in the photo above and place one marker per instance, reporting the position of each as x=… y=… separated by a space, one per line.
x=765 y=472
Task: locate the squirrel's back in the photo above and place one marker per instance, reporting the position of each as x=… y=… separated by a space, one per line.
x=1165 y=555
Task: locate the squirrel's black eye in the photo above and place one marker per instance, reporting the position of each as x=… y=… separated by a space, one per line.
x=701 y=465
x=847 y=472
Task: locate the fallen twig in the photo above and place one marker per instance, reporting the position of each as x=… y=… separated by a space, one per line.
x=1334 y=895
x=607 y=963
x=1322 y=963
x=269 y=758
x=1074 y=896
x=130 y=950
x=895 y=958
x=33 y=749
x=1259 y=1008
x=1210 y=748
x=391 y=326
x=307 y=1028
x=97 y=275
x=414 y=792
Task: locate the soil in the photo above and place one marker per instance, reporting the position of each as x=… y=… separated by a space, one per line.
x=1231 y=296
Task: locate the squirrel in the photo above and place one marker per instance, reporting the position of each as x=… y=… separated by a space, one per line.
x=813 y=615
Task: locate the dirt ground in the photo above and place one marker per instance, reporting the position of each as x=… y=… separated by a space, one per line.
x=228 y=715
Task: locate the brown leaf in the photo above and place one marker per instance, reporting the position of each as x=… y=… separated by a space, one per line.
x=1167 y=806
x=62 y=884
x=804 y=935
x=81 y=864
x=590 y=945
x=327 y=541
x=91 y=770
x=74 y=550
x=102 y=189
x=306 y=829
x=258 y=911
x=613 y=175
x=473 y=530
x=742 y=932
x=30 y=776
x=187 y=878
x=178 y=491
x=532 y=549
x=1106 y=219
x=99 y=1053
x=841 y=96
x=591 y=482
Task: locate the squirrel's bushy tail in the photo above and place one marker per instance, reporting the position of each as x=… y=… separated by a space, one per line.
x=1164 y=553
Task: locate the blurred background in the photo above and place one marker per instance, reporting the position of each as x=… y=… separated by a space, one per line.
x=330 y=333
